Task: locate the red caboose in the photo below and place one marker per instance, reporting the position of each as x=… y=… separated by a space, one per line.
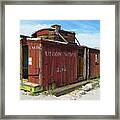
x=48 y=62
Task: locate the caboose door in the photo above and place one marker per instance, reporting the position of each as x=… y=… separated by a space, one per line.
x=25 y=62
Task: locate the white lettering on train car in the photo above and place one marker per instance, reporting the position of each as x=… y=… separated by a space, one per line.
x=61 y=69
x=49 y=53
x=35 y=47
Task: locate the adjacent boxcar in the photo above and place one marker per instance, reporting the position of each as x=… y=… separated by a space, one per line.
x=48 y=62
x=88 y=63
x=94 y=63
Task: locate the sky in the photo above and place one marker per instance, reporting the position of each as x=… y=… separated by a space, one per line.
x=87 y=31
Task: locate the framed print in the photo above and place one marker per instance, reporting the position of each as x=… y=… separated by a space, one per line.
x=59 y=59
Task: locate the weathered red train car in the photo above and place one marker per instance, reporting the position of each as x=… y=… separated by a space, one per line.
x=48 y=62
x=88 y=63
x=94 y=63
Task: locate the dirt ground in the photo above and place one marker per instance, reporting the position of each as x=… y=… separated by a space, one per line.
x=93 y=94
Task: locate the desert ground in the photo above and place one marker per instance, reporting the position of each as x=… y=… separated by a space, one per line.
x=86 y=92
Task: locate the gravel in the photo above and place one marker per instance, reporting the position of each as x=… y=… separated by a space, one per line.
x=80 y=94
